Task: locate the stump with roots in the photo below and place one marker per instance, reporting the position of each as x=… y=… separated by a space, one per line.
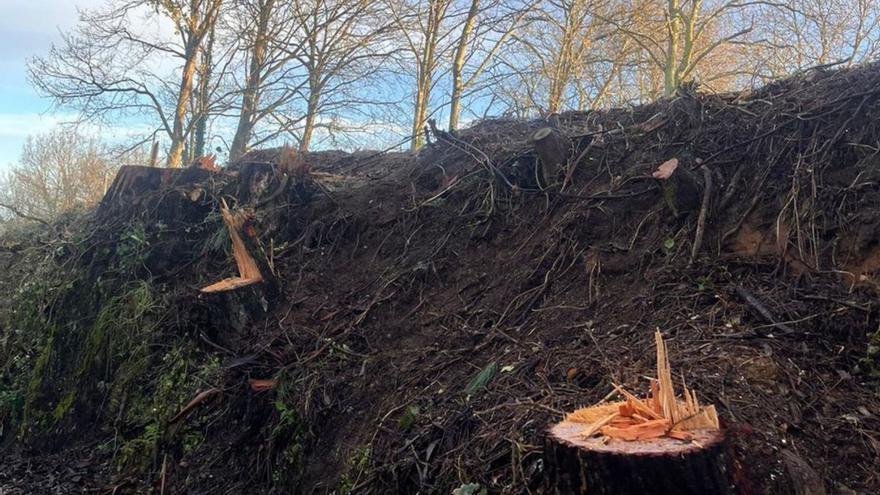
x=577 y=465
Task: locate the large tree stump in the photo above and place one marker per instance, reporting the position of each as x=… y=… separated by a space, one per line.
x=553 y=149
x=656 y=445
x=597 y=466
x=238 y=301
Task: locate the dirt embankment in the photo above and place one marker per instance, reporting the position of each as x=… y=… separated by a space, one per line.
x=430 y=315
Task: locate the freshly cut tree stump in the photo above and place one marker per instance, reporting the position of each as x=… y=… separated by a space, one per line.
x=578 y=465
x=656 y=445
x=236 y=302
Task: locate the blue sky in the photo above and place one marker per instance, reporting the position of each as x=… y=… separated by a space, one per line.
x=27 y=28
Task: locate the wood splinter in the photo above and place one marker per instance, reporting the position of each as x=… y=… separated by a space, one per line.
x=659 y=444
x=249 y=272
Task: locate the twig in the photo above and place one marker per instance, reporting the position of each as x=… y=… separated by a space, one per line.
x=761 y=309
x=21 y=214
x=704 y=212
x=194 y=403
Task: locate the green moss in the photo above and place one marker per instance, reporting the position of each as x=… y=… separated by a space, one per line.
x=290 y=436
x=64 y=406
x=177 y=376
x=357 y=463
x=870 y=364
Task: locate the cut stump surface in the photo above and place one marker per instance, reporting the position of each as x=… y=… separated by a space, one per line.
x=597 y=465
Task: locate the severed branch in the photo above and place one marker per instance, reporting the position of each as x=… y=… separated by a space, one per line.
x=22 y=214
x=249 y=272
x=199 y=399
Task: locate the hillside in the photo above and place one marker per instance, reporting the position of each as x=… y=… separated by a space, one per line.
x=424 y=317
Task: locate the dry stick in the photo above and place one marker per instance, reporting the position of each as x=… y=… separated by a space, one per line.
x=704 y=212
x=760 y=308
x=195 y=402
x=21 y=214
x=164 y=472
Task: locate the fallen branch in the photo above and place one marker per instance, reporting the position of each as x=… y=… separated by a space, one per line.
x=21 y=214
x=199 y=399
x=762 y=310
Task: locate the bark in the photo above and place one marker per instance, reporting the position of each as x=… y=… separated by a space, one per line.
x=673 y=27
x=198 y=25
x=458 y=64
x=201 y=127
x=425 y=78
x=154 y=154
x=250 y=100
x=575 y=465
x=178 y=137
x=553 y=150
x=311 y=118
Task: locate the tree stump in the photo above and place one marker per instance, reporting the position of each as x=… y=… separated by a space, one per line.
x=574 y=464
x=553 y=149
x=660 y=444
x=682 y=192
x=240 y=300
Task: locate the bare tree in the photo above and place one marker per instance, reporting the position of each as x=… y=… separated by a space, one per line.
x=113 y=67
x=425 y=29
x=344 y=44
x=796 y=34
x=487 y=27
x=194 y=20
x=681 y=38
x=59 y=171
x=261 y=28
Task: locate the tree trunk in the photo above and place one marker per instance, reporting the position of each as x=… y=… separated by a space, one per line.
x=437 y=10
x=681 y=190
x=673 y=22
x=553 y=150
x=201 y=127
x=590 y=466
x=250 y=99
x=178 y=139
x=458 y=64
x=311 y=117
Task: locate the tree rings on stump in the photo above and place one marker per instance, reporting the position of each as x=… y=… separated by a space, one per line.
x=576 y=464
x=659 y=444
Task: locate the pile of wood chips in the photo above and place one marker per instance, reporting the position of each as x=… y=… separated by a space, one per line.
x=659 y=415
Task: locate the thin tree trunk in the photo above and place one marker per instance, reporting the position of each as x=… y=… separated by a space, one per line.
x=458 y=64
x=250 y=100
x=178 y=141
x=426 y=72
x=201 y=127
x=670 y=73
x=311 y=117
